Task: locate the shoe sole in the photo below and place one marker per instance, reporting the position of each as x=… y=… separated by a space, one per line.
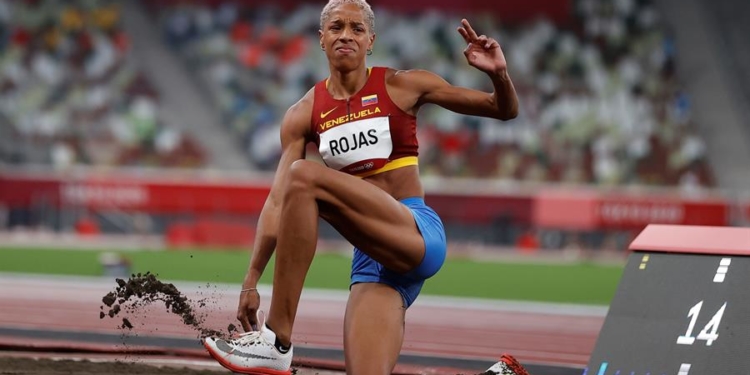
x=243 y=370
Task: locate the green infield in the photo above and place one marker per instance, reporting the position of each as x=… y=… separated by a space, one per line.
x=569 y=283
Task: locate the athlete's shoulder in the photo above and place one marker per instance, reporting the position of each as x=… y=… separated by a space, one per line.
x=409 y=77
x=301 y=111
x=306 y=102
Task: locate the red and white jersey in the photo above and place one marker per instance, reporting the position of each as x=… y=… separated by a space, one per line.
x=366 y=134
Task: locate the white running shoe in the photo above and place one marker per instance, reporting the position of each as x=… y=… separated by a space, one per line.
x=506 y=366
x=251 y=353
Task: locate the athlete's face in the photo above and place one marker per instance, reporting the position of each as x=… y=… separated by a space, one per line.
x=346 y=36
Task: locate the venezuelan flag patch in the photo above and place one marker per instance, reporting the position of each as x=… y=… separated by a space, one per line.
x=369 y=100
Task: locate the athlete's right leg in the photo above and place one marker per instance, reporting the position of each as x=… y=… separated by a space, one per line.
x=368 y=217
x=364 y=214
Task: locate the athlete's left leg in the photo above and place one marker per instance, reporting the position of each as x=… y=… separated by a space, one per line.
x=373 y=329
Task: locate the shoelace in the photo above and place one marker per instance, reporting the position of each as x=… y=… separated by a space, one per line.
x=251 y=337
x=248 y=338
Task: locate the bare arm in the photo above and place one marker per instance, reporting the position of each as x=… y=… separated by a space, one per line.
x=482 y=53
x=294 y=128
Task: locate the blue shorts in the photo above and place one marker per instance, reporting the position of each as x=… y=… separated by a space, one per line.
x=367 y=270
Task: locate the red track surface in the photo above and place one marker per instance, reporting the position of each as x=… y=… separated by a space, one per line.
x=453 y=328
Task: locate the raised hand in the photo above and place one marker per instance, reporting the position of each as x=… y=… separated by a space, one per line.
x=482 y=52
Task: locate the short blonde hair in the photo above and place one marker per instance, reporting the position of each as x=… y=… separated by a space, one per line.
x=362 y=4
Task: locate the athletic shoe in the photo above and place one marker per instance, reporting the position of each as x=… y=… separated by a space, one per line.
x=251 y=353
x=506 y=366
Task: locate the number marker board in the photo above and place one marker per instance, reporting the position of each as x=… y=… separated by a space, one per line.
x=682 y=306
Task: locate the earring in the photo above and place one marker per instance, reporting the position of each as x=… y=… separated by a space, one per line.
x=322 y=48
x=369 y=52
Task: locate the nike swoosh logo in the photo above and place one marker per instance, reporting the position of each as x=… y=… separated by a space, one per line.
x=224 y=347
x=324 y=114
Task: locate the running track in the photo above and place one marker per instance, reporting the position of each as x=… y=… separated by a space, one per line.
x=46 y=312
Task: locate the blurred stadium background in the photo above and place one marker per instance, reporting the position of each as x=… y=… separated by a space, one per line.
x=153 y=124
x=159 y=119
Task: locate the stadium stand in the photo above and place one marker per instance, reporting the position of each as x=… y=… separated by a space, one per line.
x=717 y=79
x=70 y=94
x=602 y=106
x=601 y=102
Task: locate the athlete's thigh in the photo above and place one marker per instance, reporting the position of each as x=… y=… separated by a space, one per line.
x=373 y=329
x=366 y=216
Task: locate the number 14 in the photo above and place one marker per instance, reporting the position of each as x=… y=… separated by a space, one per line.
x=708 y=333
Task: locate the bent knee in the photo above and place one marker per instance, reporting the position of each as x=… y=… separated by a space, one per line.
x=302 y=176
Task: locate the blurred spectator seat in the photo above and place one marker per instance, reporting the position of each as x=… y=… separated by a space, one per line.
x=600 y=102
x=71 y=94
